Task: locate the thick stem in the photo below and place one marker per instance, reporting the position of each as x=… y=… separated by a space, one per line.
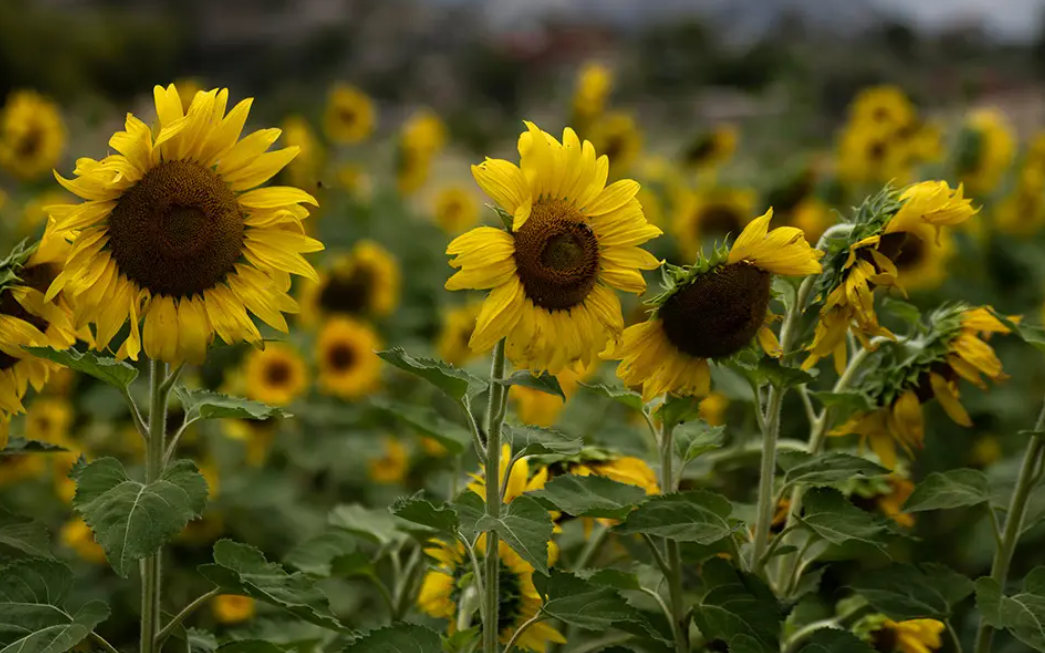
x=674 y=557
x=491 y=580
x=767 y=476
x=151 y=572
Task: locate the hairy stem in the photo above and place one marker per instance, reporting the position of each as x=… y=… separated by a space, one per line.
x=150 y=566
x=674 y=558
x=491 y=580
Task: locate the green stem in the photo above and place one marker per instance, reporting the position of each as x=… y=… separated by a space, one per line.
x=767 y=476
x=491 y=580
x=104 y=643
x=591 y=547
x=522 y=629
x=674 y=556
x=183 y=615
x=150 y=566
x=1013 y=525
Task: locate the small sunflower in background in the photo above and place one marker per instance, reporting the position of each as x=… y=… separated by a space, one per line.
x=257 y=436
x=354 y=180
x=349 y=116
x=442 y=587
x=950 y=347
x=275 y=375
x=455 y=209
x=870 y=153
x=231 y=609
x=617 y=136
x=538 y=408
x=911 y=636
x=551 y=276
x=76 y=536
x=49 y=419
x=713 y=408
x=421 y=138
x=709 y=149
x=393 y=464
x=652 y=206
x=456 y=332
x=1022 y=211
x=32 y=135
x=985 y=150
x=306 y=169
x=885 y=106
x=177 y=234
x=865 y=259
x=712 y=310
x=592 y=88
x=345 y=354
x=884 y=496
x=363 y=282
x=712 y=215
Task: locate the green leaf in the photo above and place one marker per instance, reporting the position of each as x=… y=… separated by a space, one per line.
x=903 y=591
x=352 y=564
x=119 y=374
x=378 y=526
x=527 y=527
x=695 y=516
x=250 y=646
x=831 y=516
x=766 y=369
x=833 y=640
x=905 y=311
x=831 y=467
x=455 y=382
x=242 y=569
x=1022 y=614
x=590 y=496
x=538 y=441
x=418 y=510
x=21 y=446
x=132 y=520
x=1030 y=334
x=989 y=598
x=214 y=405
x=615 y=578
x=584 y=605
x=677 y=410
x=451 y=435
x=620 y=395
x=738 y=609
x=317 y=555
x=33 y=617
x=398 y=638
x=21 y=536
x=951 y=489
x=470 y=508
x=845 y=403
x=545 y=383
x=695 y=438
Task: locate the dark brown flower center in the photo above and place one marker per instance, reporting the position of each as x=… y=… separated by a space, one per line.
x=700 y=150
x=719 y=313
x=557 y=256
x=30 y=143
x=876 y=151
x=178 y=231
x=278 y=373
x=719 y=220
x=347 y=115
x=884 y=640
x=37 y=277
x=351 y=291
x=904 y=249
x=341 y=356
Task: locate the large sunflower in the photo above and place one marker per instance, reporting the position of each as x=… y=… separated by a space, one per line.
x=551 y=275
x=32 y=135
x=276 y=375
x=346 y=354
x=349 y=116
x=710 y=215
x=363 y=282
x=172 y=235
x=713 y=310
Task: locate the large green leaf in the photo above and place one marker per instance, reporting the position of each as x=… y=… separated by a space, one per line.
x=834 y=640
x=590 y=496
x=545 y=383
x=214 y=405
x=618 y=394
x=527 y=527
x=1021 y=614
x=451 y=435
x=831 y=516
x=825 y=468
x=22 y=537
x=440 y=516
x=470 y=508
x=33 y=616
x=398 y=638
x=695 y=516
x=954 y=488
x=583 y=604
x=119 y=374
x=378 y=526
x=738 y=609
x=538 y=441
x=695 y=438
x=455 y=382
x=903 y=591
x=132 y=520
x=242 y=569
x=317 y=556
x=18 y=446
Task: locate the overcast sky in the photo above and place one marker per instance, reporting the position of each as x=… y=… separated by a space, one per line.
x=1012 y=18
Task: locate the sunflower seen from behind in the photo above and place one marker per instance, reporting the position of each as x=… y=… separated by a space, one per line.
x=275 y=375
x=363 y=282
x=570 y=241
x=712 y=310
x=349 y=116
x=176 y=236
x=346 y=358
x=32 y=135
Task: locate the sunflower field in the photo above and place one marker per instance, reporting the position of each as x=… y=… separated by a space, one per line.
x=747 y=387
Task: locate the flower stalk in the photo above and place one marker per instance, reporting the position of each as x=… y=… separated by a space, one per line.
x=159 y=391
x=494 y=419
x=673 y=562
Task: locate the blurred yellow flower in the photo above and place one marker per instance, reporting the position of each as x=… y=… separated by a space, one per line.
x=349 y=116
x=593 y=86
x=77 y=537
x=348 y=365
x=711 y=148
x=363 y=282
x=456 y=332
x=538 y=408
x=232 y=609
x=48 y=420
x=912 y=636
x=713 y=408
x=985 y=150
x=306 y=170
x=393 y=464
x=618 y=136
x=276 y=375
x=456 y=209
x=35 y=214
x=708 y=216
x=32 y=135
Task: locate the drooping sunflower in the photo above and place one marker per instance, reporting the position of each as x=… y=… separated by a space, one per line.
x=456 y=332
x=710 y=149
x=866 y=259
x=306 y=170
x=445 y=583
x=712 y=310
x=172 y=234
x=617 y=136
x=551 y=274
x=348 y=365
x=708 y=216
x=364 y=282
x=232 y=608
x=922 y=264
x=393 y=464
x=349 y=116
x=32 y=135
x=455 y=209
x=593 y=86
x=276 y=375
x=985 y=150
x=950 y=347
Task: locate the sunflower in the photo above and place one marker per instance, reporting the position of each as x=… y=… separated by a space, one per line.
x=922 y=264
x=911 y=636
x=593 y=86
x=393 y=464
x=32 y=135
x=257 y=435
x=446 y=582
x=458 y=325
x=276 y=375
x=455 y=209
x=538 y=408
x=713 y=310
x=710 y=148
x=348 y=365
x=713 y=408
x=891 y=503
x=572 y=239
x=520 y=481
x=363 y=282
x=885 y=227
x=306 y=169
x=172 y=235
x=232 y=609
x=422 y=137
x=813 y=217
x=871 y=153
x=984 y=151
x=883 y=106
x=48 y=420
x=1022 y=212
x=710 y=215
x=76 y=536
x=618 y=137
x=354 y=180
x=349 y=116
x=623 y=469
